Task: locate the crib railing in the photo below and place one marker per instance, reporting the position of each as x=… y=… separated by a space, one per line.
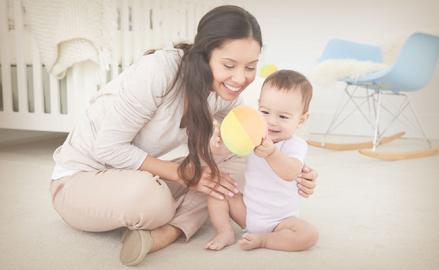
x=33 y=99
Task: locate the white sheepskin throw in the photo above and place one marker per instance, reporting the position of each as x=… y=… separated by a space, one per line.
x=330 y=71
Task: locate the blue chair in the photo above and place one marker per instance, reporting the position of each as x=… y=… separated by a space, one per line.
x=411 y=71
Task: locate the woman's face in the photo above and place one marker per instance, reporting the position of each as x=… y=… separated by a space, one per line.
x=233 y=66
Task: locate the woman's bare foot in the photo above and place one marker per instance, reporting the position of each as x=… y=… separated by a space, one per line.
x=221 y=240
x=251 y=241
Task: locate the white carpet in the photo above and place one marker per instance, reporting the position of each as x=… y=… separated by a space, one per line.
x=370 y=214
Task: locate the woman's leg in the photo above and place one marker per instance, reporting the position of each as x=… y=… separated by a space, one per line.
x=102 y=201
x=292 y=234
x=192 y=211
x=82 y=200
x=190 y=215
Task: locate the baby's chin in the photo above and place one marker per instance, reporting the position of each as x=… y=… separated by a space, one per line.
x=274 y=139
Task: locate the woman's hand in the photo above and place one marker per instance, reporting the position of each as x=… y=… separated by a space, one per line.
x=222 y=185
x=306 y=182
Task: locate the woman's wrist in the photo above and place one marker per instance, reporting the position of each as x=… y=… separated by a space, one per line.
x=165 y=169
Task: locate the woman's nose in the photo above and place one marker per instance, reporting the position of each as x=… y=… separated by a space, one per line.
x=239 y=77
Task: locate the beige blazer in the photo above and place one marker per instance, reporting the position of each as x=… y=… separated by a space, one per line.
x=130 y=118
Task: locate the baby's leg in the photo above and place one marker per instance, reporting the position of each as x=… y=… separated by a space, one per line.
x=238 y=210
x=219 y=216
x=292 y=234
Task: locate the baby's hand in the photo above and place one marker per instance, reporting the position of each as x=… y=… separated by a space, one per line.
x=217 y=146
x=266 y=148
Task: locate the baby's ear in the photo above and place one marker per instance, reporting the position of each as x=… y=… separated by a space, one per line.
x=303 y=119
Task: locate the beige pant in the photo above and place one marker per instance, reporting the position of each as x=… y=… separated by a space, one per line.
x=103 y=201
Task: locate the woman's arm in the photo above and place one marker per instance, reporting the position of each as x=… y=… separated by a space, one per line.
x=223 y=185
x=141 y=92
x=165 y=169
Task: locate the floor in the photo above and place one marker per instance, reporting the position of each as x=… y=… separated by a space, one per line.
x=371 y=214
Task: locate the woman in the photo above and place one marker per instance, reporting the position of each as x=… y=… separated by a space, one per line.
x=107 y=173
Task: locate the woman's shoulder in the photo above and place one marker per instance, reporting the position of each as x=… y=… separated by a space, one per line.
x=155 y=71
x=165 y=60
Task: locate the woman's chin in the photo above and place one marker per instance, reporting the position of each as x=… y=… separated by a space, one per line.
x=229 y=95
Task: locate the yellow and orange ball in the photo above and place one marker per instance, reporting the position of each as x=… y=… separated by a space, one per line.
x=242 y=130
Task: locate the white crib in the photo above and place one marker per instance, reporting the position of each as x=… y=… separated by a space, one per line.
x=32 y=99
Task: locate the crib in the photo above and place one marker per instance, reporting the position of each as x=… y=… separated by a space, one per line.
x=33 y=99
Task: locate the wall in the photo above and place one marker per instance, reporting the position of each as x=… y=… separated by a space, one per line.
x=295 y=33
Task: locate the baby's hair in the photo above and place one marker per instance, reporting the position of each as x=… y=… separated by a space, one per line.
x=290 y=80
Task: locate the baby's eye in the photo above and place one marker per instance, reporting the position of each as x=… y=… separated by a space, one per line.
x=284 y=117
x=264 y=112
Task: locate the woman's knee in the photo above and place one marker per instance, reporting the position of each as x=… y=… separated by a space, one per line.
x=148 y=202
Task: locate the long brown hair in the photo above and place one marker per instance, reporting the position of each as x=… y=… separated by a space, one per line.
x=218 y=25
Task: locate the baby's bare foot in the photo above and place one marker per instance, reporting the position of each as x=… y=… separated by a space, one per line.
x=251 y=241
x=221 y=240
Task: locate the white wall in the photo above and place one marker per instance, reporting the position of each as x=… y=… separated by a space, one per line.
x=295 y=32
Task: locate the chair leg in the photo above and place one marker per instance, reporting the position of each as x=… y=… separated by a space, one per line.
x=377 y=120
x=395 y=115
x=419 y=124
x=378 y=136
x=335 y=116
x=373 y=100
x=399 y=115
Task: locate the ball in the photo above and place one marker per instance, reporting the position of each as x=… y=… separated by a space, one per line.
x=242 y=130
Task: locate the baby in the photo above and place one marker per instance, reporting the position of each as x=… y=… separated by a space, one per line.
x=268 y=209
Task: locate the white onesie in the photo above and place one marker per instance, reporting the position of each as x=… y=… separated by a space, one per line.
x=268 y=198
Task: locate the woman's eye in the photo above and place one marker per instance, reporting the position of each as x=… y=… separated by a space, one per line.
x=228 y=66
x=251 y=68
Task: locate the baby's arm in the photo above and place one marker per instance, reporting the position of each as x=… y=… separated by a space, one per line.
x=285 y=167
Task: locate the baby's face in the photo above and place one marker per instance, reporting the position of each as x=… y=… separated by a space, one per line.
x=283 y=111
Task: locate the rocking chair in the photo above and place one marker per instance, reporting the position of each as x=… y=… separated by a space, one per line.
x=411 y=71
